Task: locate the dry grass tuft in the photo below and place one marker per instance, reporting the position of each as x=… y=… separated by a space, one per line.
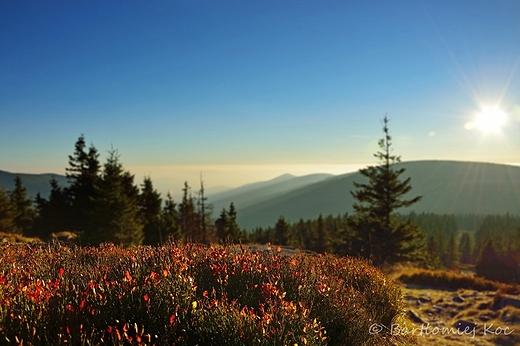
x=18 y=238
x=442 y=279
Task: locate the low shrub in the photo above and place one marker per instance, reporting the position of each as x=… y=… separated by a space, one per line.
x=190 y=295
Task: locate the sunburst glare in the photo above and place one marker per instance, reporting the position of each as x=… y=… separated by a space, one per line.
x=489 y=120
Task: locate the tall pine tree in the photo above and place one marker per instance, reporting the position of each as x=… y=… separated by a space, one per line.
x=282 y=231
x=465 y=249
x=116 y=211
x=451 y=257
x=227 y=227
x=149 y=201
x=7 y=213
x=24 y=212
x=170 y=227
x=386 y=238
x=433 y=257
x=204 y=212
x=83 y=174
x=321 y=240
x=188 y=216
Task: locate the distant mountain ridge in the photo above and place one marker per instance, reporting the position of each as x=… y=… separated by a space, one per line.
x=447 y=187
x=253 y=193
x=34 y=183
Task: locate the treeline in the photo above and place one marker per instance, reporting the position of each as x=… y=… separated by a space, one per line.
x=103 y=204
x=498 y=243
x=493 y=243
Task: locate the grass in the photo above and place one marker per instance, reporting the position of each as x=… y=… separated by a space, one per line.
x=180 y=294
x=450 y=280
x=18 y=238
x=434 y=296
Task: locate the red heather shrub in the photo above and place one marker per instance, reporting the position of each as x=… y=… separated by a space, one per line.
x=190 y=295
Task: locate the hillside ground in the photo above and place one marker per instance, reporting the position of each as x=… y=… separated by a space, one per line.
x=464 y=316
x=483 y=314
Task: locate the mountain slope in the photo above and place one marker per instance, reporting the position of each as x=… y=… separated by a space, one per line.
x=256 y=192
x=34 y=183
x=446 y=186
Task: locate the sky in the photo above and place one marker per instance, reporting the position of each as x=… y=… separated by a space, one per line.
x=241 y=91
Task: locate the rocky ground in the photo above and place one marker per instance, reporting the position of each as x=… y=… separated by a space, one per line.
x=461 y=317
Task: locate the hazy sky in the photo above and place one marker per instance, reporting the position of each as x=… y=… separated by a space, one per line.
x=247 y=90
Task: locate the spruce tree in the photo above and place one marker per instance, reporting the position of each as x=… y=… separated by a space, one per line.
x=282 y=230
x=452 y=255
x=465 y=249
x=233 y=229
x=83 y=174
x=433 y=258
x=342 y=238
x=7 y=213
x=321 y=241
x=501 y=228
x=189 y=219
x=259 y=235
x=489 y=263
x=169 y=221
x=227 y=227
x=115 y=209
x=150 y=202
x=377 y=201
x=298 y=235
x=221 y=224
x=24 y=213
x=204 y=211
x=440 y=239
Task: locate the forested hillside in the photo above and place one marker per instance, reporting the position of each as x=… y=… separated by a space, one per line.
x=102 y=203
x=447 y=187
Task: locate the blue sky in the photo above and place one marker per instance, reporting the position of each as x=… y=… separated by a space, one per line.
x=247 y=90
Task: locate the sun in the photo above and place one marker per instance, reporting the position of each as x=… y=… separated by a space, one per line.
x=489 y=120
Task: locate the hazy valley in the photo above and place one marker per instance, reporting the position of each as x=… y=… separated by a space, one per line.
x=447 y=187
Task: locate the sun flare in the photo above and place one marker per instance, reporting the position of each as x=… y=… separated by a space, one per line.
x=489 y=120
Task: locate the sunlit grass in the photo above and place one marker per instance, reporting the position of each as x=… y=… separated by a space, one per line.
x=450 y=280
x=17 y=238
